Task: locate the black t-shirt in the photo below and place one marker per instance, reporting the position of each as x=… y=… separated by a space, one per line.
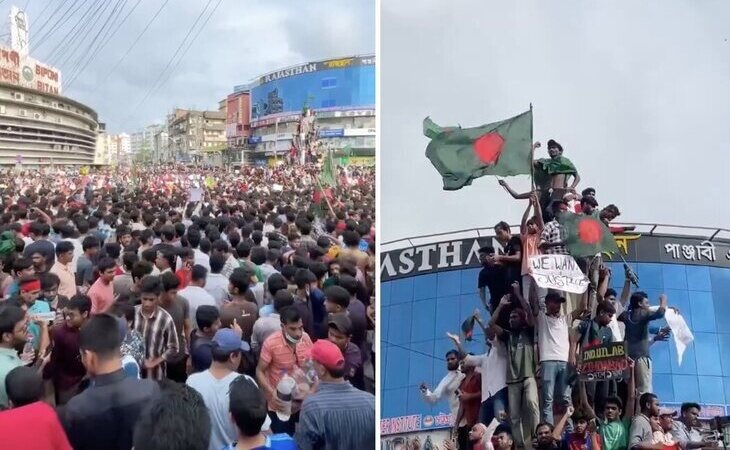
x=513 y=270
x=493 y=278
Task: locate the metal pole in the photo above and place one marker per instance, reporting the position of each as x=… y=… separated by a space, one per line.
x=276 y=140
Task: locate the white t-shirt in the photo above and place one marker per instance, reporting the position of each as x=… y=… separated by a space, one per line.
x=493 y=367
x=215 y=395
x=196 y=296
x=552 y=337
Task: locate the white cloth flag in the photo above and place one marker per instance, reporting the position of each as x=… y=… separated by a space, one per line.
x=681 y=332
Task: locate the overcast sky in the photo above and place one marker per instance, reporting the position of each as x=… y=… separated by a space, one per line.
x=637 y=93
x=242 y=40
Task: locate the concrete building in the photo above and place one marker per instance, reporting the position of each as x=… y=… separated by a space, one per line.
x=238 y=126
x=197 y=136
x=41 y=129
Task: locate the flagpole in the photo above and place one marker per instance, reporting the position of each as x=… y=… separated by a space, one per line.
x=532 y=150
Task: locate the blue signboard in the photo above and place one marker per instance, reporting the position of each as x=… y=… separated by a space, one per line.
x=338 y=88
x=338 y=132
x=254 y=139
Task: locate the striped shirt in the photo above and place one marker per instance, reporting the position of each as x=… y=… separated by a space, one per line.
x=337 y=416
x=159 y=336
x=552 y=233
x=279 y=355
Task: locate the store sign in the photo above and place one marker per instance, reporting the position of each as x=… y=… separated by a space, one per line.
x=331 y=133
x=253 y=139
x=464 y=253
x=27 y=72
x=339 y=63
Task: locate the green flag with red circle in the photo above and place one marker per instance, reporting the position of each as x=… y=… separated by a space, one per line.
x=462 y=154
x=586 y=235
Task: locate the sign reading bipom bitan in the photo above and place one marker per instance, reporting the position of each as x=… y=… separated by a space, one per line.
x=559 y=272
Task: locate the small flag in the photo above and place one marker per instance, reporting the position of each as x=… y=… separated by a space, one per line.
x=586 y=235
x=467 y=327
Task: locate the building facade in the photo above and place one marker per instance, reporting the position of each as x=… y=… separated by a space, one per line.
x=41 y=129
x=196 y=136
x=238 y=126
x=340 y=93
x=431 y=288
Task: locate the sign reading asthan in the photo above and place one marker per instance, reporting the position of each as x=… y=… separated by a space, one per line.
x=559 y=272
x=603 y=361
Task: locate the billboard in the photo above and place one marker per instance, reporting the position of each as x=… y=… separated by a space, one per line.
x=28 y=72
x=19 y=31
x=346 y=83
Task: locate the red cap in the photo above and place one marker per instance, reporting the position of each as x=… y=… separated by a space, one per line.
x=30 y=286
x=328 y=354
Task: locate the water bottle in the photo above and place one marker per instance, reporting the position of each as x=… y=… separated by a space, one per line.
x=284 y=390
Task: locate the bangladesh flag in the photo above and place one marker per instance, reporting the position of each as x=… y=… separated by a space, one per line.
x=328 y=175
x=586 y=235
x=467 y=327
x=463 y=154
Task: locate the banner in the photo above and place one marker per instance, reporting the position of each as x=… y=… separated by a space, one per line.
x=603 y=361
x=559 y=272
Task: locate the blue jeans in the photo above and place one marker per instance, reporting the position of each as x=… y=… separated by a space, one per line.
x=554 y=386
x=492 y=406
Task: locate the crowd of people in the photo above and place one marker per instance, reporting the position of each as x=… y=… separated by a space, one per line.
x=187 y=308
x=527 y=389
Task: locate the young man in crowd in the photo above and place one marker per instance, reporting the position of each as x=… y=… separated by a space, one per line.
x=92 y=418
x=266 y=325
x=124 y=282
x=157 y=329
x=65 y=369
x=195 y=293
x=86 y=262
x=521 y=384
x=13 y=334
x=214 y=384
x=208 y=323
x=637 y=319
x=338 y=415
x=686 y=429
x=64 y=270
x=448 y=386
x=216 y=284
x=282 y=352
x=178 y=309
x=178 y=419
x=102 y=291
x=241 y=308
x=340 y=333
x=641 y=431
x=29 y=423
x=247 y=407
x=511 y=255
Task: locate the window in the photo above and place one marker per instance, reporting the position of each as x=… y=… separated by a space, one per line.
x=329 y=83
x=2 y=109
x=22 y=113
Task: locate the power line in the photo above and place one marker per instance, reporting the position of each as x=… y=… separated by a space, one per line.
x=106 y=42
x=200 y=30
x=43 y=11
x=169 y=63
x=57 y=26
x=67 y=52
x=70 y=36
x=136 y=40
x=79 y=56
x=43 y=25
x=86 y=56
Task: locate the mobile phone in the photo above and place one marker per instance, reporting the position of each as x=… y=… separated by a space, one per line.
x=46 y=317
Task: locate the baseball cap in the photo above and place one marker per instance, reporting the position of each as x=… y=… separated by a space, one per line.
x=327 y=354
x=228 y=341
x=341 y=322
x=667 y=412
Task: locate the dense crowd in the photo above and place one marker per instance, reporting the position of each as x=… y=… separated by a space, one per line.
x=187 y=308
x=527 y=389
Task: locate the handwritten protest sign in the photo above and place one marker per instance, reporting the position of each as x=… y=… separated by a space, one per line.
x=196 y=194
x=559 y=272
x=603 y=361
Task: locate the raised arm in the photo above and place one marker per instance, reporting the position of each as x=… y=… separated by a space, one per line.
x=626 y=291
x=538 y=212
x=584 y=403
x=581 y=308
x=560 y=426
x=526 y=217
x=457 y=342
x=631 y=397
x=529 y=318
x=493 y=320
x=511 y=191
x=605 y=278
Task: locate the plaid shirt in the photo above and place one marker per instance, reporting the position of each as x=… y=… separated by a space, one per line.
x=553 y=232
